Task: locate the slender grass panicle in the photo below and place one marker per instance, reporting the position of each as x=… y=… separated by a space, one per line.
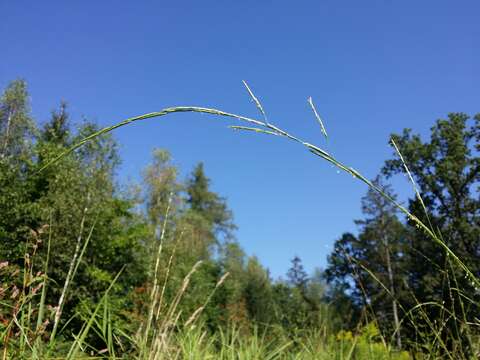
x=168 y=330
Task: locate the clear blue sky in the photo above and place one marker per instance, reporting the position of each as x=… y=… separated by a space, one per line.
x=372 y=67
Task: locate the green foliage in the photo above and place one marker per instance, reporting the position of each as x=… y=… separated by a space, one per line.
x=161 y=275
x=71 y=199
x=369 y=268
x=297 y=275
x=208 y=204
x=16 y=125
x=230 y=344
x=258 y=292
x=446 y=171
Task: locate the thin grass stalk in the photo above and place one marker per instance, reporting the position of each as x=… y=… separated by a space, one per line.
x=164 y=112
x=160 y=340
x=23 y=296
x=367 y=303
x=6 y=339
x=317 y=116
x=452 y=304
x=41 y=306
x=71 y=268
x=27 y=294
x=41 y=309
x=167 y=275
x=312 y=148
x=270 y=129
x=257 y=102
x=51 y=343
x=462 y=307
x=154 y=292
x=412 y=181
x=24 y=336
x=23 y=306
x=84 y=248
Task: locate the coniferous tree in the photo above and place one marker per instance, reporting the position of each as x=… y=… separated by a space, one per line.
x=210 y=205
x=385 y=234
x=297 y=275
x=342 y=272
x=368 y=267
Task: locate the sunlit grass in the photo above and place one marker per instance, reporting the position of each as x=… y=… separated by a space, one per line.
x=162 y=337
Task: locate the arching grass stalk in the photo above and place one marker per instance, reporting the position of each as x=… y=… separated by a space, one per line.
x=270 y=129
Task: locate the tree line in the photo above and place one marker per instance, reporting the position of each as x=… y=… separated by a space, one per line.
x=75 y=209
x=389 y=274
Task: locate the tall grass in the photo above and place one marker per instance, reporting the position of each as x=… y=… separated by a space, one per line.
x=269 y=128
x=157 y=339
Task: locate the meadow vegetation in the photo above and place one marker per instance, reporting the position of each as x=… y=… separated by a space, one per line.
x=93 y=269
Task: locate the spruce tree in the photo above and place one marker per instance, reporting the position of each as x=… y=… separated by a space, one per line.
x=297 y=275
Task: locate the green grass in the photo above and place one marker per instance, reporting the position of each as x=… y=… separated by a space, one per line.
x=163 y=338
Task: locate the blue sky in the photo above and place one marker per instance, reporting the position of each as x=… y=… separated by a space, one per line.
x=372 y=68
